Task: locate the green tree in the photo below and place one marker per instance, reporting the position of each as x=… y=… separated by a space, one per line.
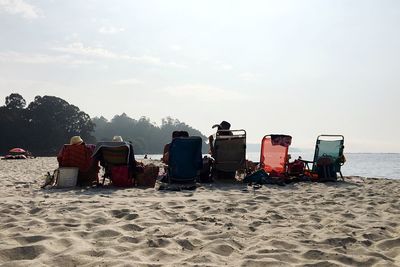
x=13 y=123
x=146 y=137
x=52 y=121
x=15 y=101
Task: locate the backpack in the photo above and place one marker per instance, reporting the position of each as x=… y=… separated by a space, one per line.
x=326 y=169
x=205 y=173
x=296 y=168
x=121 y=176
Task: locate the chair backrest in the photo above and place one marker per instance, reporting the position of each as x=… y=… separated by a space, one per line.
x=76 y=156
x=230 y=150
x=274 y=153
x=115 y=156
x=185 y=159
x=331 y=146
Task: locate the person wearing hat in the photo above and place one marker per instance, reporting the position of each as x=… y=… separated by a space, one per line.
x=75 y=140
x=78 y=154
x=224 y=125
x=223 y=129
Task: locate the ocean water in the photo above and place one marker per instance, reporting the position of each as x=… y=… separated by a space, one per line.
x=370 y=165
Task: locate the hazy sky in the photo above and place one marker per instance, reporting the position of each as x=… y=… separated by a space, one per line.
x=295 y=67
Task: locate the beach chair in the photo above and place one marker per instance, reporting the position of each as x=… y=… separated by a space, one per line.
x=229 y=153
x=328 y=157
x=185 y=160
x=80 y=156
x=118 y=161
x=274 y=154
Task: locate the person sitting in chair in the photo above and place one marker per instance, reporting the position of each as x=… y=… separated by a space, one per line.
x=78 y=154
x=223 y=129
x=175 y=134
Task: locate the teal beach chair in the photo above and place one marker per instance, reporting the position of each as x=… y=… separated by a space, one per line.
x=328 y=157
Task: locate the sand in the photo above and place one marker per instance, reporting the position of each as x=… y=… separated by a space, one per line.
x=356 y=223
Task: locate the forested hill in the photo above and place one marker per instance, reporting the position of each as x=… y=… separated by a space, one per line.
x=48 y=122
x=146 y=137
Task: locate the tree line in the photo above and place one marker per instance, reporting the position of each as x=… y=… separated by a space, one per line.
x=146 y=137
x=47 y=122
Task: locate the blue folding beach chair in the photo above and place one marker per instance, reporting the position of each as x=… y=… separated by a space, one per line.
x=185 y=159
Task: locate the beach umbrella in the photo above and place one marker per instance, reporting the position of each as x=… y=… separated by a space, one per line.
x=17 y=150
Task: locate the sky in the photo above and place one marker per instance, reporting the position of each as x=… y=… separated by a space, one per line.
x=297 y=67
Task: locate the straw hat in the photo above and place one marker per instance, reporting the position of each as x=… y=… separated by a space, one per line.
x=117 y=138
x=75 y=140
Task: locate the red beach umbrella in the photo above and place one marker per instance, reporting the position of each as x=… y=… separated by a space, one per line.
x=17 y=150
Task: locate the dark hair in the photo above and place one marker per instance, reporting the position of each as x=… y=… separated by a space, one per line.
x=224 y=125
x=175 y=134
x=184 y=134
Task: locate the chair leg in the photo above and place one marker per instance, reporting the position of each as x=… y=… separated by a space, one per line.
x=325 y=172
x=341 y=175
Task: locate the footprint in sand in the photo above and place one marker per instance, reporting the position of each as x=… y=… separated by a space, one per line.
x=132 y=227
x=124 y=213
x=389 y=244
x=223 y=250
x=339 y=241
x=24 y=240
x=314 y=254
x=185 y=244
x=21 y=253
x=130 y=239
x=158 y=243
x=35 y=210
x=106 y=234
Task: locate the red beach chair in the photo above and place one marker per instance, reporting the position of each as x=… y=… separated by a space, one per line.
x=274 y=154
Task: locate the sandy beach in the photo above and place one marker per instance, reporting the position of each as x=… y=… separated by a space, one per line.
x=355 y=223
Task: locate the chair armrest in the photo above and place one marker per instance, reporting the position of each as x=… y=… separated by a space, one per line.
x=306 y=161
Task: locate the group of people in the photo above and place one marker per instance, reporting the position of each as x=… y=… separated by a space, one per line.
x=80 y=155
x=223 y=128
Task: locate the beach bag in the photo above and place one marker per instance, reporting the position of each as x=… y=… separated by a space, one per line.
x=326 y=169
x=257 y=177
x=205 y=173
x=296 y=168
x=66 y=177
x=260 y=177
x=121 y=176
x=148 y=177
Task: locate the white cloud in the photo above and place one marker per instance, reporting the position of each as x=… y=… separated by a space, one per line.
x=204 y=93
x=176 y=65
x=175 y=47
x=110 y=30
x=20 y=7
x=220 y=66
x=225 y=67
x=40 y=59
x=248 y=76
x=128 y=82
x=78 y=48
